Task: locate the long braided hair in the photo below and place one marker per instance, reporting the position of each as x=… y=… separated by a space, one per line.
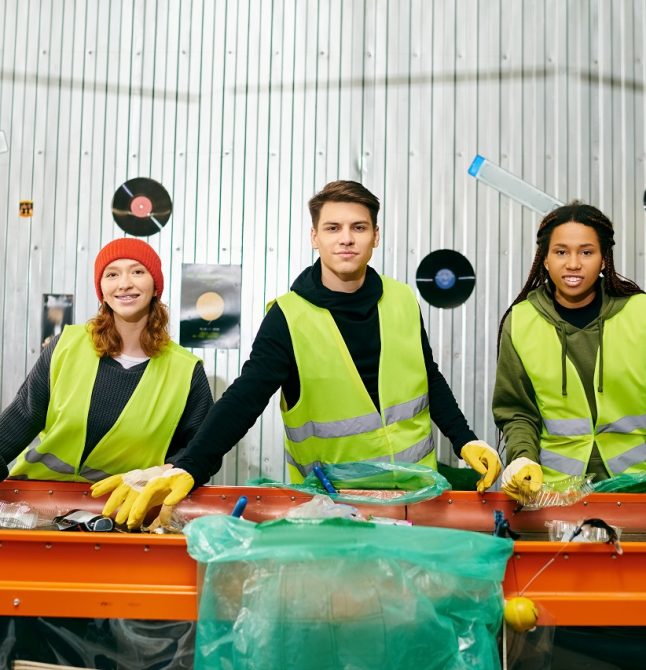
x=577 y=212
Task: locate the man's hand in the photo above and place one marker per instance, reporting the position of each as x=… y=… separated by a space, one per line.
x=484 y=460
x=136 y=492
x=521 y=478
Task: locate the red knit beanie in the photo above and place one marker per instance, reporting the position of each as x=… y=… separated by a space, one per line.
x=134 y=249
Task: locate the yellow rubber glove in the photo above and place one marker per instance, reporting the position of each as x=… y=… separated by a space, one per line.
x=131 y=488
x=521 y=478
x=484 y=459
x=124 y=489
x=167 y=490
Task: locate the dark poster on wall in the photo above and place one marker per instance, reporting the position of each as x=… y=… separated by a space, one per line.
x=210 y=311
x=58 y=311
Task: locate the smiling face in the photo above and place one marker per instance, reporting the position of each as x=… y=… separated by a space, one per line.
x=128 y=288
x=574 y=261
x=344 y=238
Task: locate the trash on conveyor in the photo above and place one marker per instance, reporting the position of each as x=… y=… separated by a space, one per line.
x=84 y=521
x=168 y=522
x=374 y=483
x=21 y=515
x=18 y=515
x=560 y=493
x=321 y=507
x=586 y=530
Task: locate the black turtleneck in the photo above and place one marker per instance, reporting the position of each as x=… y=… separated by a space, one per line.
x=580 y=317
x=272 y=365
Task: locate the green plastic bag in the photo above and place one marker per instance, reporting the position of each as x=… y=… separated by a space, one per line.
x=627 y=483
x=332 y=594
x=390 y=483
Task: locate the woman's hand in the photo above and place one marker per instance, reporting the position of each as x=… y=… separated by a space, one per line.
x=136 y=492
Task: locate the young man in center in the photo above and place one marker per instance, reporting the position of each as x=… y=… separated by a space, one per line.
x=348 y=349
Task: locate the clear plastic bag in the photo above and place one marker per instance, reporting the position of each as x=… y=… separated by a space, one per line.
x=18 y=515
x=321 y=507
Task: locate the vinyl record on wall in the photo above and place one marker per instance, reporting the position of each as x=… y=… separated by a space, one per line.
x=445 y=278
x=141 y=206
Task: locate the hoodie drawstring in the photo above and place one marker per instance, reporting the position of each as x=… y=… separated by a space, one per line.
x=600 y=387
x=563 y=338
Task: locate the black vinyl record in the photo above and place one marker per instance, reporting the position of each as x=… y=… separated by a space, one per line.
x=141 y=206
x=445 y=278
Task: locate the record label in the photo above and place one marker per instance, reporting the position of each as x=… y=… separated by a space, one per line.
x=141 y=206
x=445 y=278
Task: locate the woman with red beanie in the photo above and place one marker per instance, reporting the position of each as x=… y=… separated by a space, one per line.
x=107 y=396
x=113 y=394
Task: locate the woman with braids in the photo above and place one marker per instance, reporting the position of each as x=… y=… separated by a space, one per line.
x=113 y=395
x=570 y=392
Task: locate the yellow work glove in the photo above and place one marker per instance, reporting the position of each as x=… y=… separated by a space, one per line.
x=124 y=489
x=138 y=491
x=521 y=478
x=484 y=459
x=167 y=490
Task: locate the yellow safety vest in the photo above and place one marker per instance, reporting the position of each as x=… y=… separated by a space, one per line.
x=142 y=433
x=335 y=420
x=568 y=434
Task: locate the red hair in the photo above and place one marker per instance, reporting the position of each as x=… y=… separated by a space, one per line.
x=108 y=342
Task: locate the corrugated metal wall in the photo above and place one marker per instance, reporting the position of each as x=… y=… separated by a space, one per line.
x=244 y=109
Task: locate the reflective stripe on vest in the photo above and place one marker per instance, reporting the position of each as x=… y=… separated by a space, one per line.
x=568 y=435
x=626 y=424
x=358 y=425
x=335 y=420
x=567 y=426
x=141 y=434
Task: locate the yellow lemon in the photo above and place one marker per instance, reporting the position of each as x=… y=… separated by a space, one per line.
x=521 y=613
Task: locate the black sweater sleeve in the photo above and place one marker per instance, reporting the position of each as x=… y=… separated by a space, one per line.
x=270 y=364
x=25 y=416
x=443 y=406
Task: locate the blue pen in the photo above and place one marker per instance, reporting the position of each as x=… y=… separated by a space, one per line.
x=327 y=484
x=239 y=507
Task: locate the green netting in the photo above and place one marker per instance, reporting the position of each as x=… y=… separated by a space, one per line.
x=331 y=594
x=392 y=483
x=628 y=483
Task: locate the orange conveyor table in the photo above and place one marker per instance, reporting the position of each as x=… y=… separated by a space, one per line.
x=142 y=576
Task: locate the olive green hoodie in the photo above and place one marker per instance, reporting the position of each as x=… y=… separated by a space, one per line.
x=514 y=405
